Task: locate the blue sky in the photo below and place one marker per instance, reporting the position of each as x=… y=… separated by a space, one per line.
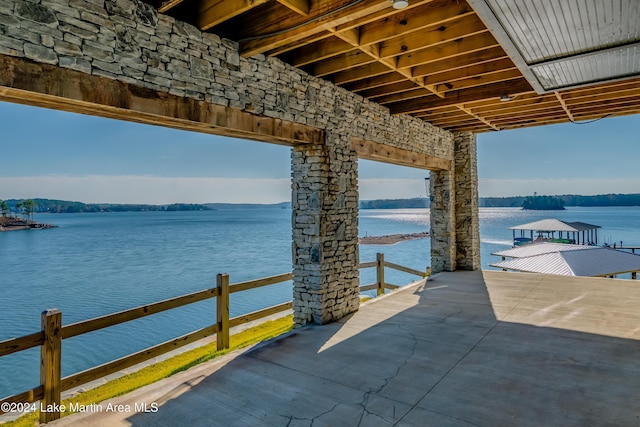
x=53 y=154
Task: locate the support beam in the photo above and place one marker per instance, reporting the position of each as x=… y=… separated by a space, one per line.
x=494 y=90
x=298 y=6
x=564 y=105
x=283 y=33
x=482 y=119
x=214 y=12
x=370 y=150
x=42 y=85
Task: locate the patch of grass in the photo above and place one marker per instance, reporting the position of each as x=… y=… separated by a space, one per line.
x=166 y=368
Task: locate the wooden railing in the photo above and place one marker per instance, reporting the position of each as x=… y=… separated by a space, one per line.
x=52 y=333
x=380 y=264
x=50 y=337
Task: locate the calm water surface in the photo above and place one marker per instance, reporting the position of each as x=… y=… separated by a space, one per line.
x=95 y=264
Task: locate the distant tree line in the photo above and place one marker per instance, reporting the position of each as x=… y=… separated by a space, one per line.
x=31 y=206
x=13 y=208
x=516 y=201
x=568 y=199
x=419 y=202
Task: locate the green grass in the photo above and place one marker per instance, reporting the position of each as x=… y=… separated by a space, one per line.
x=164 y=369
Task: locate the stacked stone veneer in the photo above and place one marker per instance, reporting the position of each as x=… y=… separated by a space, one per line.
x=127 y=40
x=455 y=228
x=467 y=223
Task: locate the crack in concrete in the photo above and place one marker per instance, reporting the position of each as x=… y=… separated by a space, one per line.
x=291 y=418
x=367 y=395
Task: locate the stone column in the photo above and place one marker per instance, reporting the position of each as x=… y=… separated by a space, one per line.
x=455 y=229
x=466 y=202
x=325 y=231
x=443 y=233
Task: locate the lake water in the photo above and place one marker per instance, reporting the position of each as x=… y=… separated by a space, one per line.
x=95 y=264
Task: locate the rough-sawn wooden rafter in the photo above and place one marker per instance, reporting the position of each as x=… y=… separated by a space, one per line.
x=431 y=59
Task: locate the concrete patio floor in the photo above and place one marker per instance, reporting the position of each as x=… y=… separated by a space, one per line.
x=466 y=348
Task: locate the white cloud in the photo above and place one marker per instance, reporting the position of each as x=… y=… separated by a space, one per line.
x=147 y=189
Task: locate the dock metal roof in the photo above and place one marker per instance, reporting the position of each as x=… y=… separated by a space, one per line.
x=590 y=261
x=452 y=63
x=555 y=225
x=540 y=248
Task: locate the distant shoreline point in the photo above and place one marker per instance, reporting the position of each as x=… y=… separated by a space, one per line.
x=15 y=224
x=391 y=239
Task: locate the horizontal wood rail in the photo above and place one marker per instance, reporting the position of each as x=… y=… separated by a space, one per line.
x=26 y=342
x=50 y=338
x=380 y=264
x=102 y=322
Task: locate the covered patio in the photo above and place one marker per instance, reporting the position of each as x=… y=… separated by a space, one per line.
x=481 y=348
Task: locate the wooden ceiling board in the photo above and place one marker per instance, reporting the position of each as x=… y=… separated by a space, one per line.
x=436 y=59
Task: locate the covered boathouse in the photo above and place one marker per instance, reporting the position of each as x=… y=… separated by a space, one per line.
x=405 y=82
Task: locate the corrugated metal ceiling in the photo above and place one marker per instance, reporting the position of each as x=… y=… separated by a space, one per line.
x=571 y=43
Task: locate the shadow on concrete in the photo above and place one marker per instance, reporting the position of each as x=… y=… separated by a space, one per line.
x=435 y=354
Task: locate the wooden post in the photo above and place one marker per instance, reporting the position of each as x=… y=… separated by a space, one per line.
x=380 y=273
x=50 y=373
x=222 y=311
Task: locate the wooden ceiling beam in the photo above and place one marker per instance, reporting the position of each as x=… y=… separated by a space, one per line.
x=350 y=25
x=371 y=150
x=532 y=122
x=470 y=122
x=383 y=13
x=634 y=91
x=494 y=90
x=399 y=87
x=453 y=114
x=374 y=82
x=497 y=110
x=417 y=92
x=478 y=117
x=450 y=120
x=165 y=6
x=49 y=86
x=461 y=46
x=474 y=129
x=632 y=104
x=373 y=50
x=480 y=80
x=557 y=113
x=601 y=88
x=434 y=13
x=319 y=51
x=280 y=32
x=550 y=110
x=355 y=74
x=519 y=100
x=441 y=32
x=214 y=12
x=342 y=63
x=470 y=71
x=298 y=6
x=564 y=105
x=458 y=62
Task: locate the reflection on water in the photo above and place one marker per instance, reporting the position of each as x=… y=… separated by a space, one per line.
x=95 y=264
